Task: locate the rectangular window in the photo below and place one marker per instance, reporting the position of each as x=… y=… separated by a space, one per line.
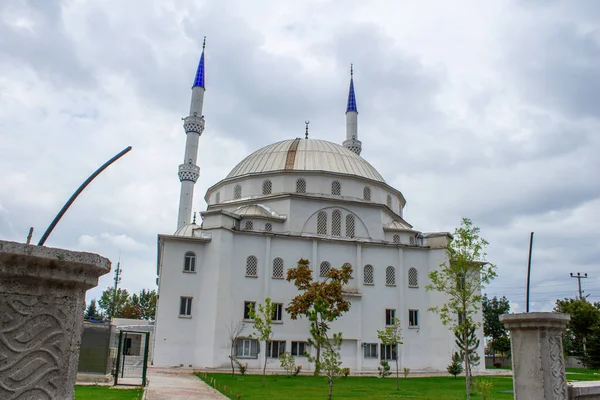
x=246 y=348
x=413 y=318
x=370 y=350
x=278 y=312
x=275 y=348
x=388 y=352
x=298 y=349
x=185 y=306
x=247 y=306
x=390 y=314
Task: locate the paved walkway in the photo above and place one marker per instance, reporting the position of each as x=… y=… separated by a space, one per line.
x=179 y=386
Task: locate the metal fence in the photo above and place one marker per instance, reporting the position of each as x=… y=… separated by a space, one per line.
x=132 y=358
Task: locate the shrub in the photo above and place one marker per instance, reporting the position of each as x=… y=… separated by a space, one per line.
x=406 y=371
x=288 y=362
x=455 y=366
x=297 y=370
x=241 y=367
x=498 y=364
x=345 y=372
x=384 y=369
x=484 y=387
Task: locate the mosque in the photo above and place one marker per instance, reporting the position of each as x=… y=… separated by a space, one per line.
x=297 y=198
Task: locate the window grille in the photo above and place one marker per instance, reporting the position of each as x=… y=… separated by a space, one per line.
x=277 y=312
x=325 y=268
x=275 y=348
x=413 y=278
x=411 y=240
x=413 y=318
x=249 y=225
x=267 y=187
x=252 y=266
x=278 y=268
x=189 y=263
x=237 y=192
x=390 y=315
x=389 y=201
x=336 y=188
x=301 y=186
x=336 y=223
x=396 y=238
x=246 y=348
x=268 y=227
x=368 y=275
x=185 y=306
x=390 y=275
x=248 y=305
x=218 y=198
x=322 y=223
x=367 y=193
x=370 y=350
x=350 y=225
x=299 y=349
x=388 y=352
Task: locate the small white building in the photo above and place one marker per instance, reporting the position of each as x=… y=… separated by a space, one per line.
x=298 y=198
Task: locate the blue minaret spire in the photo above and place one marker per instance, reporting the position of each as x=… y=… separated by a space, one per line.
x=199 y=80
x=352 y=143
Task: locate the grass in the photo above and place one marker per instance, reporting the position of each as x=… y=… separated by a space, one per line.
x=311 y=387
x=580 y=374
x=107 y=393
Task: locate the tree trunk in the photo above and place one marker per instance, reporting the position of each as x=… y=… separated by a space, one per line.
x=265 y=364
x=493 y=348
x=397 y=372
x=318 y=361
x=330 y=389
x=467 y=366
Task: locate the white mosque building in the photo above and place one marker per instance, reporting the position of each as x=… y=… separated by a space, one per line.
x=298 y=198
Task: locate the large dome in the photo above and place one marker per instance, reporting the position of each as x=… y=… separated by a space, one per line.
x=305 y=155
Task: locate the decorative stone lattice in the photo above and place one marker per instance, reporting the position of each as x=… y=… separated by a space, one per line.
x=252 y=266
x=411 y=240
x=390 y=276
x=249 y=225
x=367 y=193
x=189 y=172
x=322 y=223
x=353 y=145
x=389 y=201
x=218 y=198
x=336 y=223
x=413 y=277
x=396 y=238
x=268 y=227
x=350 y=225
x=301 y=186
x=237 y=192
x=267 y=187
x=368 y=275
x=324 y=269
x=336 y=188
x=278 y=268
x=193 y=124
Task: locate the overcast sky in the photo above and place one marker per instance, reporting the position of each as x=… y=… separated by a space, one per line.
x=487 y=110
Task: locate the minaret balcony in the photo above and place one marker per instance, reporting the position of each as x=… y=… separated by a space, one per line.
x=353 y=145
x=189 y=172
x=193 y=123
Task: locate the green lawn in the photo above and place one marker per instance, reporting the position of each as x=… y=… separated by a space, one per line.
x=580 y=374
x=106 y=393
x=310 y=387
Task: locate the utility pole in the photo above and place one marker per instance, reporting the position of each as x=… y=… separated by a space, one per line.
x=117 y=281
x=579 y=278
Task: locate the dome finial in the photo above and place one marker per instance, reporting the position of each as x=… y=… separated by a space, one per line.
x=204 y=43
x=351 y=69
x=306 y=133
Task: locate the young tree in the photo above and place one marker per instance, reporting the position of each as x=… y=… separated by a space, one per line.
x=114 y=305
x=332 y=361
x=234 y=330
x=467 y=345
x=462 y=278
x=92 y=312
x=455 y=366
x=585 y=316
x=147 y=304
x=321 y=302
x=492 y=327
x=392 y=336
x=263 y=327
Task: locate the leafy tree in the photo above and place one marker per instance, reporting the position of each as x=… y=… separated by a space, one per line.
x=592 y=358
x=392 y=336
x=585 y=317
x=462 y=278
x=234 y=330
x=147 y=304
x=332 y=361
x=384 y=369
x=263 y=327
x=92 y=312
x=455 y=366
x=321 y=302
x=492 y=327
x=114 y=305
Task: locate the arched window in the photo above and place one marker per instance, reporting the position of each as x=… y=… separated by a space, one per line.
x=390 y=276
x=336 y=188
x=350 y=225
x=322 y=223
x=413 y=278
x=411 y=240
x=237 y=192
x=336 y=223
x=324 y=269
x=189 y=262
x=301 y=186
x=367 y=193
x=268 y=227
x=252 y=266
x=218 y=198
x=389 y=201
x=267 y=187
x=368 y=275
x=396 y=238
x=249 y=225
x=278 y=268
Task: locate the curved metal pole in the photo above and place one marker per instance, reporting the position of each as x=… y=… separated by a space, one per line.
x=78 y=192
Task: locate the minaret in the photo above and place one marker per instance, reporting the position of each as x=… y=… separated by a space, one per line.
x=194 y=126
x=352 y=143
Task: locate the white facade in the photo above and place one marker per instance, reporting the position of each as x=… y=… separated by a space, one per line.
x=310 y=199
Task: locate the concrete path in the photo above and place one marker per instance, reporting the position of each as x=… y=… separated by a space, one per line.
x=178 y=386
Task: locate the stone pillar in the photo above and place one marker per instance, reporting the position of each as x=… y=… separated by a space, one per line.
x=42 y=301
x=537 y=355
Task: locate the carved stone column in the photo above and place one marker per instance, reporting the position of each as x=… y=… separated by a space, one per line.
x=537 y=355
x=42 y=300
